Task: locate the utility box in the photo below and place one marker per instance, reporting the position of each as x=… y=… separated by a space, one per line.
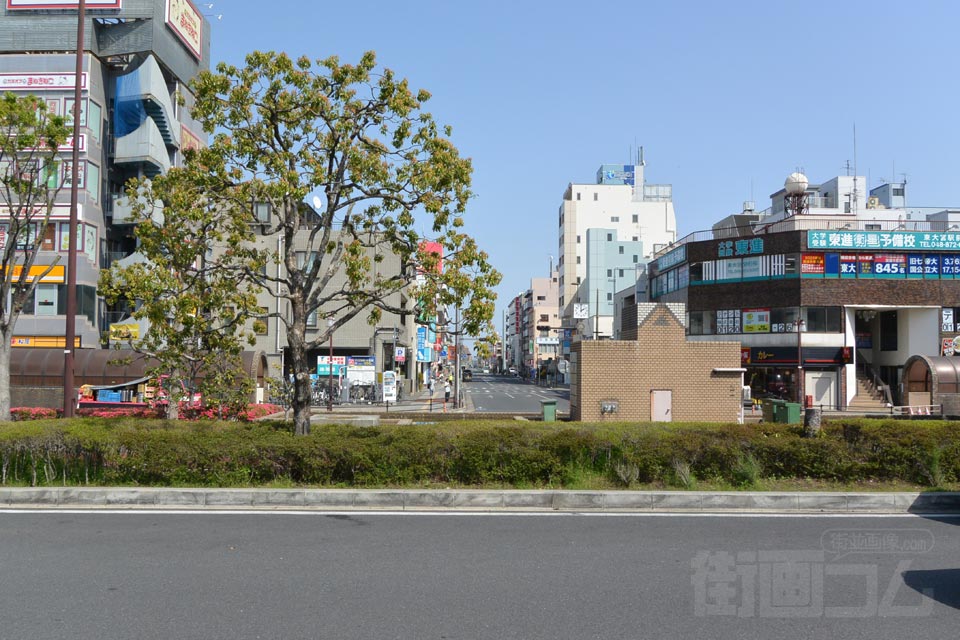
x=549 y=409
x=792 y=413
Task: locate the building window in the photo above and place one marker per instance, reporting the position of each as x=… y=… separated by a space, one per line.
x=261 y=212
x=578 y=259
x=609 y=237
x=578 y=281
x=898 y=191
x=823 y=319
x=595 y=196
x=578 y=239
x=544 y=317
x=578 y=195
x=636 y=218
x=872 y=227
x=635 y=238
x=635 y=260
x=888 y=331
x=620 y=273
x=609 y=297
x=541 y=298
x=614 y=218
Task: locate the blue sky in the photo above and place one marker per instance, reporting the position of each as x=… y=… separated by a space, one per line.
x=726 y=98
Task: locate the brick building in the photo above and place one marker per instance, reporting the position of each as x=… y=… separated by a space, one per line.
x=829 y=296
x=655 y=373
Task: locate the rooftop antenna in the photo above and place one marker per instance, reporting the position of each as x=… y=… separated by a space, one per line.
x=642 y=163
x=856 y=195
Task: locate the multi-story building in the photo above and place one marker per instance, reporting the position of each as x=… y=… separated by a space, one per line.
x=533 y=334
x=623 y=208
x=139 y=55
x=828 y=292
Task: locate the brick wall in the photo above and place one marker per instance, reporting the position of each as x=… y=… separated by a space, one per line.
x=657 y=358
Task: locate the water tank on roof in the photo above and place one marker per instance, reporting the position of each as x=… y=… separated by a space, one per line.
x=796 y=183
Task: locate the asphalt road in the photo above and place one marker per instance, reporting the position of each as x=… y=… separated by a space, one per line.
x=368 y=575
x=507 y=394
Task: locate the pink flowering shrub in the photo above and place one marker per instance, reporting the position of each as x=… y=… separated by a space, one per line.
x=33 y=413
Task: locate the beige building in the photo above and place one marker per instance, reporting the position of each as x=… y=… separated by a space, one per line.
x=655 y=374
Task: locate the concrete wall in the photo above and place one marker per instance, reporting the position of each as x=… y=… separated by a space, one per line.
x=660 y=358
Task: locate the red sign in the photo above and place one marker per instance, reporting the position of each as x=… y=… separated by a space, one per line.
x=744 y=355
x=812 y=263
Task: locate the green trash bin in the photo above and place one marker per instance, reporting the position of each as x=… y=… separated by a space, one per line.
x=549 y=410
x=779 y=414
x=792 y=413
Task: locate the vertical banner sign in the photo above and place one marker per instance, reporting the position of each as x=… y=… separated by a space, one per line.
x=946 y=321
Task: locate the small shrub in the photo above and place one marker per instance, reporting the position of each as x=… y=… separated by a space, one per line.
x=33 y=413
x=682 y=476
x=931 y=467
x=746 y=470
x=626 y=472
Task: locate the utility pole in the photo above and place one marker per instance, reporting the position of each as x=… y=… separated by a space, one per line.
x=70 y=334
x=456 y=361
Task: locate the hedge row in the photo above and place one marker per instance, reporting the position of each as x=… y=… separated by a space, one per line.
x=160 y=453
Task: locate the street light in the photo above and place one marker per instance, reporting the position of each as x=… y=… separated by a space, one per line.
x=330 y=323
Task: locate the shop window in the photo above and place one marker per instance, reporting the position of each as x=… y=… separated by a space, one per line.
x=783 y=320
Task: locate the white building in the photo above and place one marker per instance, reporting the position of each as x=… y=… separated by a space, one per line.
x=631 y=211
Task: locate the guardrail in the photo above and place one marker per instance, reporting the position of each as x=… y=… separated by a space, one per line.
x=918 y=410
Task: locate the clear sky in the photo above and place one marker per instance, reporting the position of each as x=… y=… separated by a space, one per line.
x=727 y=98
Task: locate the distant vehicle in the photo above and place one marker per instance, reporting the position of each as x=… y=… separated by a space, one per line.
x=486 y=370
x=512 y=371
x=466 y=375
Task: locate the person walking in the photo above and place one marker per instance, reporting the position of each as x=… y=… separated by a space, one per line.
x=446 y=393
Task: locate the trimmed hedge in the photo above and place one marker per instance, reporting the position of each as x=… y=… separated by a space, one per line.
x=161 y=453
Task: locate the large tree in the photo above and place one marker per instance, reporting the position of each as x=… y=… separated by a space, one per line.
x=189 y=289
x=383 y=177
x=31 y=176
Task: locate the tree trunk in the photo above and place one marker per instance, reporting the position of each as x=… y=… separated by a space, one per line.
x=4 y=377
x=302 y=396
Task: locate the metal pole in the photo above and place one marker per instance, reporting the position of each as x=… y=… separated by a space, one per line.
x=330 y=370
x=596 y=321
x=456 y=361
x=70 y=335
x=800 y=397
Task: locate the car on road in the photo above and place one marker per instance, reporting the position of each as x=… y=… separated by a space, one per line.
x=512 y=371
x=466 y=375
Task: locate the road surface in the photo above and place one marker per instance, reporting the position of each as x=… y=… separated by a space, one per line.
x=507 y=394
x=378 y=575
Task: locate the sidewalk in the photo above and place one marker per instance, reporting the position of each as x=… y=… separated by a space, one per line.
x=929 y=504
x=419 y=402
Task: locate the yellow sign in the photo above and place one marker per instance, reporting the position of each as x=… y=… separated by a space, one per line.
x=56 y=275
x=124 y=331
x=43 y=342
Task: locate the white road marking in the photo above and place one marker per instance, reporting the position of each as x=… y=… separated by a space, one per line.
x=498 y=513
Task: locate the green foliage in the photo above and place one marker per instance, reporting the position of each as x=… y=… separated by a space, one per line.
x=357 y=142
x=190 y=289
x=31 y=176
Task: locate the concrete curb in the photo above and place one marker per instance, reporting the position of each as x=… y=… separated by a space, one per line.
x=481 y=500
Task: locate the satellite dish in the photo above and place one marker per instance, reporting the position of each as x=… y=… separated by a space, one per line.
x=317 y=202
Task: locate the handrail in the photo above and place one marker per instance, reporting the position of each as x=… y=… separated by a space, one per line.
x=875 y=380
